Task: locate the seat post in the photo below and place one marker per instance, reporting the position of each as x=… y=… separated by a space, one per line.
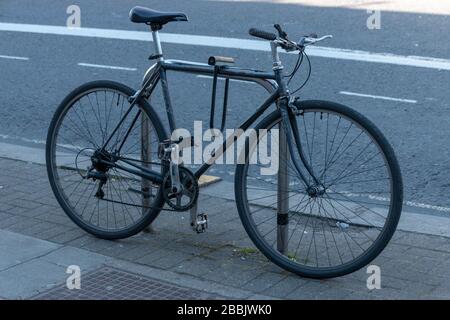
x=157 y=43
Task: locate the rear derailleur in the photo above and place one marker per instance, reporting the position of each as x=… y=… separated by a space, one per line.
x=102 y=178
x=98 y=171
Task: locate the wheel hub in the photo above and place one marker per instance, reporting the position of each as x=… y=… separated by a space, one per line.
x=98 y=160
x=315 y=191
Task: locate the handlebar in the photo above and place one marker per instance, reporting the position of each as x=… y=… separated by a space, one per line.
x=262 y=34
x=284 y=42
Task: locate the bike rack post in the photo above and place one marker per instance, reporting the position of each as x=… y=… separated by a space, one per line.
x=145 y=157
x=283 y=193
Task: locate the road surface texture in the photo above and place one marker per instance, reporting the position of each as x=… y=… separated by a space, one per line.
x=32 y=88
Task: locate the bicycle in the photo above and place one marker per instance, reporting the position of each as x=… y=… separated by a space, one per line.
x=332 y=208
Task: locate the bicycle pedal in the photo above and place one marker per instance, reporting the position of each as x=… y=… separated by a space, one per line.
x=201 y=224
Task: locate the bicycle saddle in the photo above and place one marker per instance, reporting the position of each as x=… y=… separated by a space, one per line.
x=149 y=16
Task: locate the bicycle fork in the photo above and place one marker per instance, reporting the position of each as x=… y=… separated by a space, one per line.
x=290 y=127
x=290 y=146
x=287 y=111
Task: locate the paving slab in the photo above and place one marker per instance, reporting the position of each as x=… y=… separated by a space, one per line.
x=16 y=249
x=29 y=278
x=222 y=261
x=102 y=277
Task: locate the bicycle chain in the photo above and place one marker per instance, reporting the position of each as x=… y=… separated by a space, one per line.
x=166 y=179
x=138 y=206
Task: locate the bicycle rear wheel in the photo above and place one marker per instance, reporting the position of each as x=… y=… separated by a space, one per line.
x=107 y=202
x=332 y=231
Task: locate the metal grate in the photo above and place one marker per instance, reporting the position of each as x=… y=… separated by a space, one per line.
x=114 y=284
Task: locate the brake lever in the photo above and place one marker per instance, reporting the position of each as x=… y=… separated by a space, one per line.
x=281 y=33
x=328 y=36
x=308 y=40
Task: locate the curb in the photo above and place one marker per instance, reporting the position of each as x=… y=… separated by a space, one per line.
x=409 y=221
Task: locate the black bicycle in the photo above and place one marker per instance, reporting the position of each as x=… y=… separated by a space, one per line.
x=329 y=209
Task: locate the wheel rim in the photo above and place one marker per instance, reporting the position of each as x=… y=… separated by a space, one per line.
x=322 y=236
x=80 y=130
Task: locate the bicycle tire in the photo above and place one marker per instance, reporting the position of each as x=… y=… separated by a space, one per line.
x=393 y=214
x=150 y=214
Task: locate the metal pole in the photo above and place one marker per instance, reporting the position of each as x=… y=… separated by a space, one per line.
x=146 y=157
x=283 y=193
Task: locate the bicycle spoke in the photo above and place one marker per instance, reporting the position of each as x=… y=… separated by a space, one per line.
x=83 y=128
x=336 y=226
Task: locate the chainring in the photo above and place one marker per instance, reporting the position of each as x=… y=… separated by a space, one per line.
x=187 y=197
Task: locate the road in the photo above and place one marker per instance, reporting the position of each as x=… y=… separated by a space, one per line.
x=39 y=69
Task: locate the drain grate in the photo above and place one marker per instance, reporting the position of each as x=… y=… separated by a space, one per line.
x=113 y=284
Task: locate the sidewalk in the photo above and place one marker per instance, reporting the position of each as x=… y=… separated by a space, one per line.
x=38 y=242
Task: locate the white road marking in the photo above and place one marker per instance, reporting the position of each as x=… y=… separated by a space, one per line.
x=406 y=203
x=34 y=141
x=234 y=43
x=376 y=97
x=234 y=80
x=24 y=156
x=410 y=221
x=415 y=204
x=14 y=58
x=101 y=66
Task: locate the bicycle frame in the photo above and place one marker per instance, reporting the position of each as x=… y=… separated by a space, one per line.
x=272 y=82
x=266 y=80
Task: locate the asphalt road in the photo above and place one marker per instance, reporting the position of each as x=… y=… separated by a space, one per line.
x=31 y=89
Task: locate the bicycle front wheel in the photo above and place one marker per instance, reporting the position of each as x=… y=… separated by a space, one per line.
x=107 y=201
x=325 y=231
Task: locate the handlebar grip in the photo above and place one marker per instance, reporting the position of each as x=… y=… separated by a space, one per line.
x=262 y=34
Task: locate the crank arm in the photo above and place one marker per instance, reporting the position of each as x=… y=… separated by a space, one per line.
x=174 y=171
